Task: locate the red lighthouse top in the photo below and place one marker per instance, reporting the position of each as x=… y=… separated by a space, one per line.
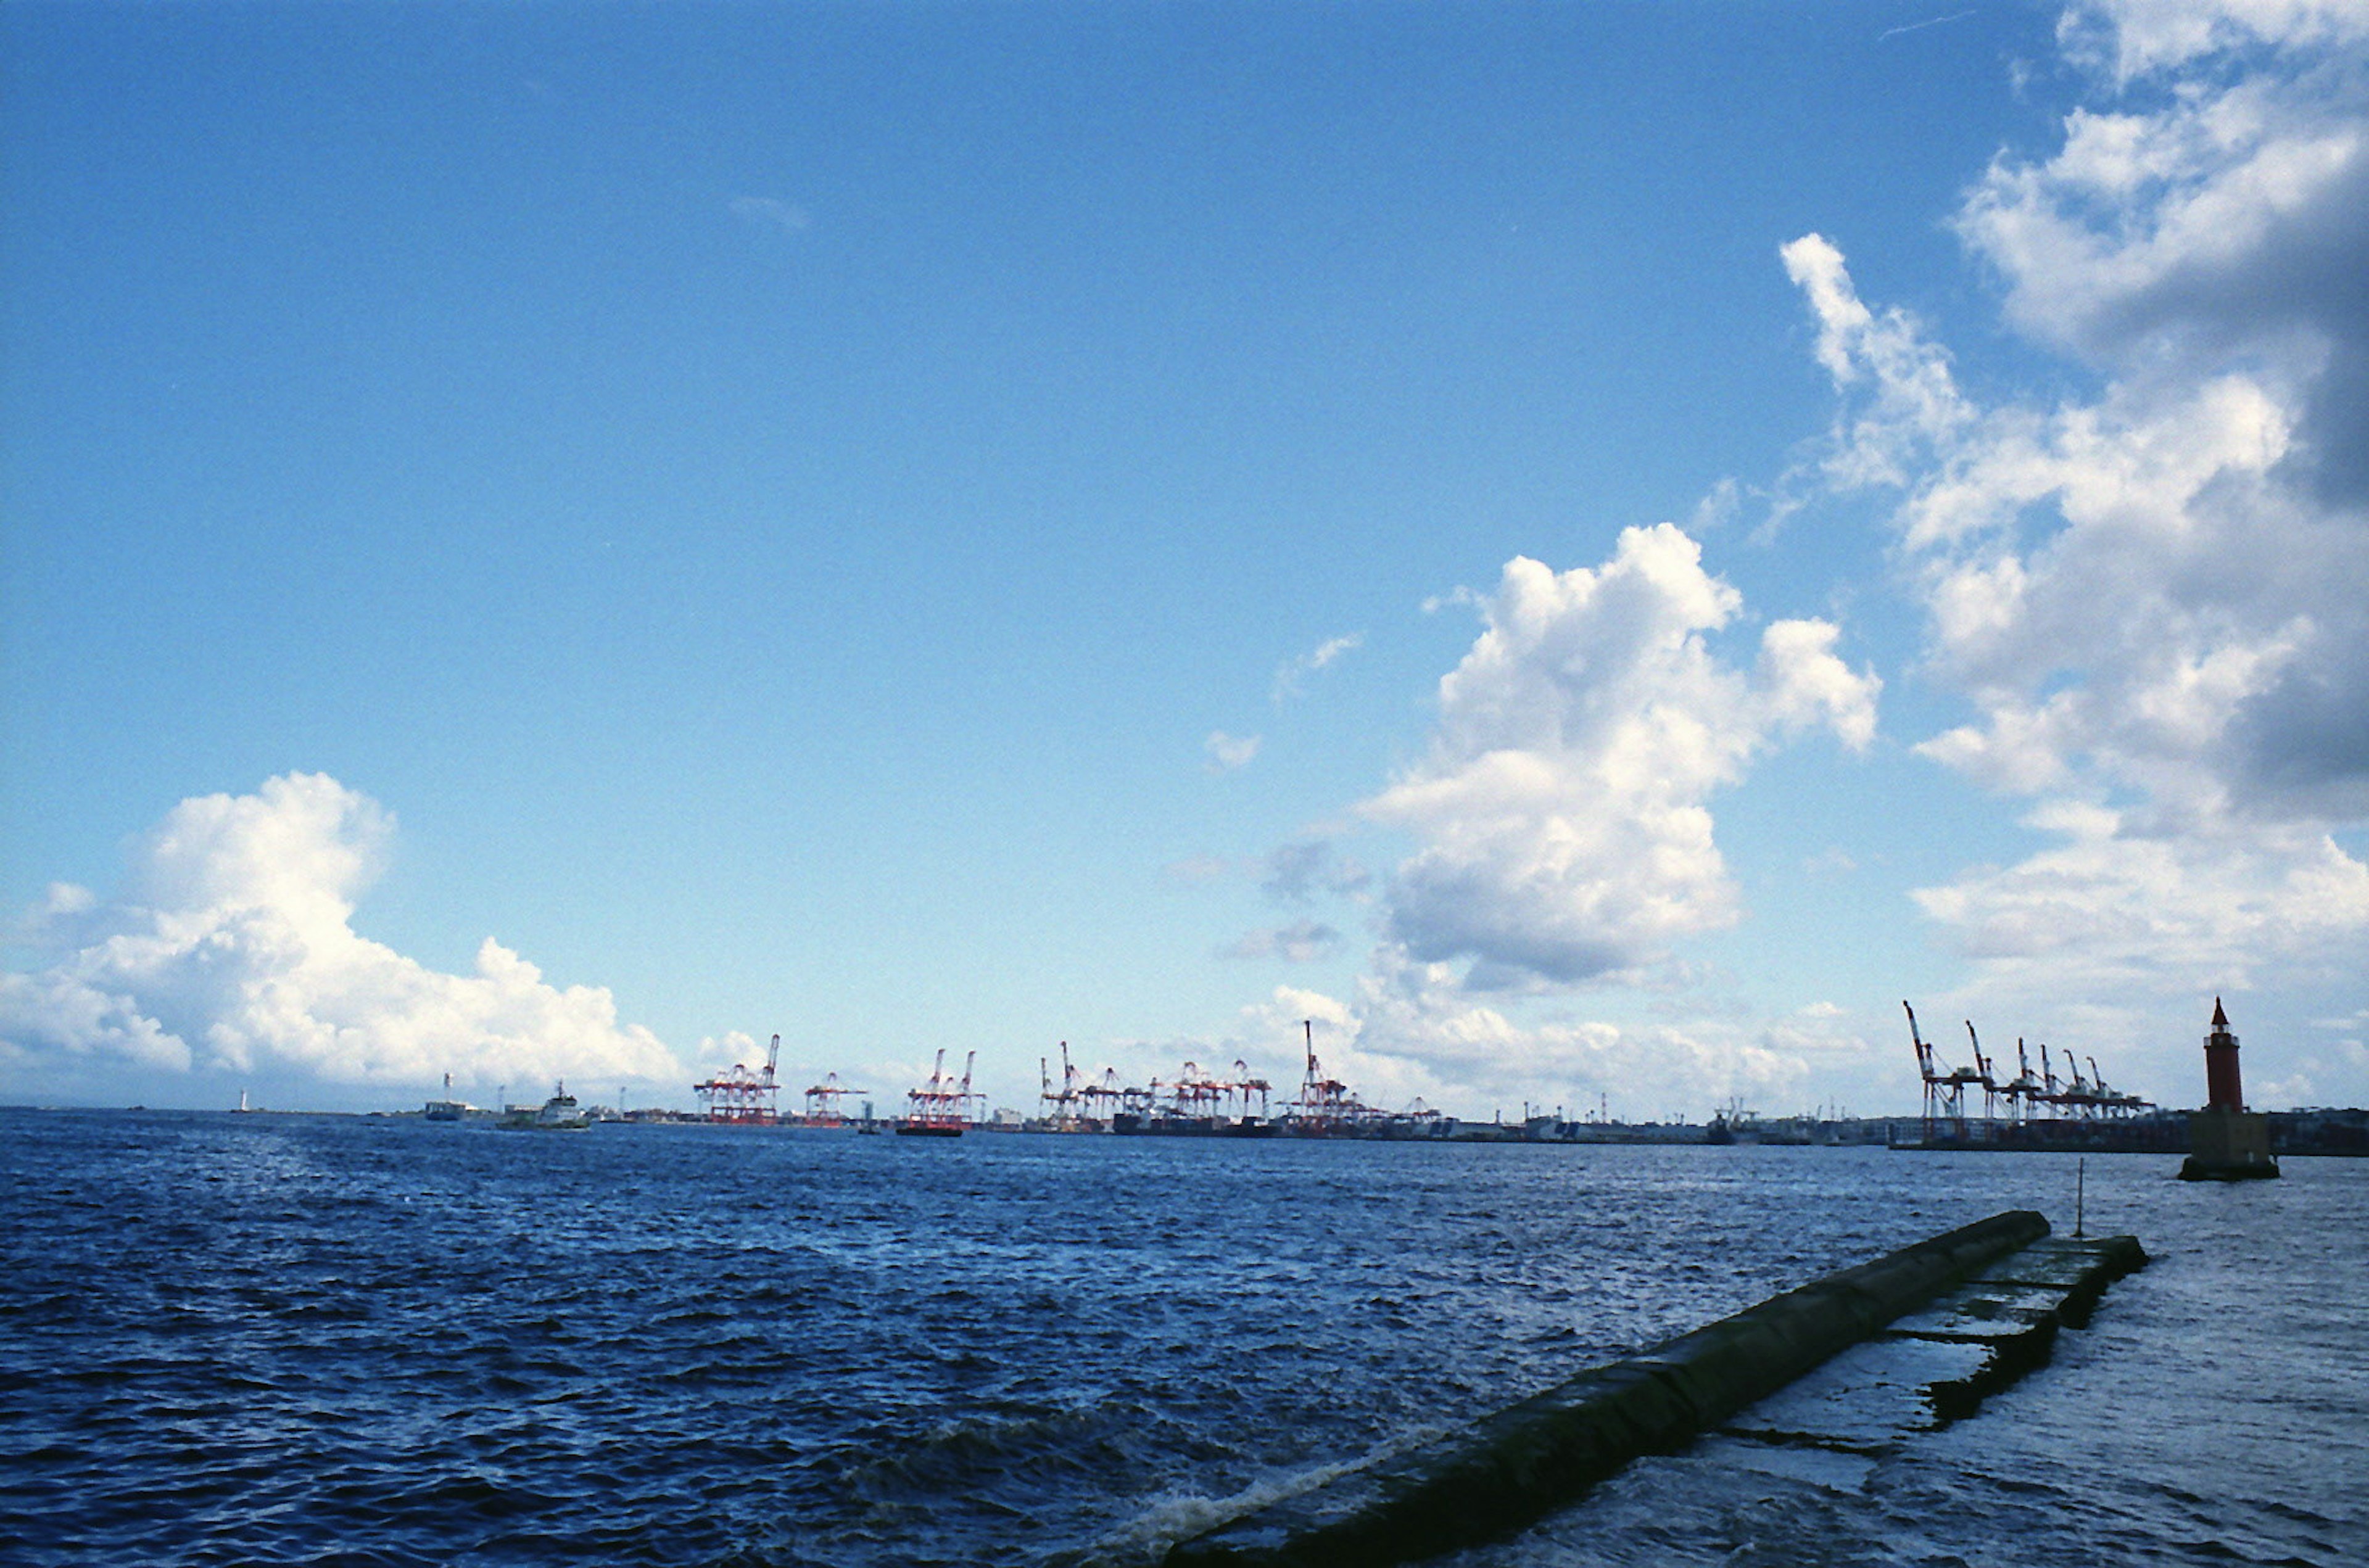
x=2222 y=1088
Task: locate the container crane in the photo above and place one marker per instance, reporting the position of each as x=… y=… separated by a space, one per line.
x=1324 y=1102
x=1061 y=1106
x=933 y=1109
x=1246 y=1084
x=741 y=1095
x=822 y=1102
x=2080 y=1097
x=1983 y=1075
x=1945 y=1094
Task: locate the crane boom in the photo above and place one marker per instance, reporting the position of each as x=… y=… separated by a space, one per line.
x=1924 y=1051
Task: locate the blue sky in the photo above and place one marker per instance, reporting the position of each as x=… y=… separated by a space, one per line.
x=792 y=519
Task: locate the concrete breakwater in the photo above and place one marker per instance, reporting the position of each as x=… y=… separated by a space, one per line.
x=1516 y=1466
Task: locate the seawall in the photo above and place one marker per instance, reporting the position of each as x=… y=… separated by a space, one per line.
x=1515 y=1466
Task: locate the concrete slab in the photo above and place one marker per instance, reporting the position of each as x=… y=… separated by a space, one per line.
x=1868 y=1399
x=1516 y=1466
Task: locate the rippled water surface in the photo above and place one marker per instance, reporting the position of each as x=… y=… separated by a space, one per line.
x=269 y=1339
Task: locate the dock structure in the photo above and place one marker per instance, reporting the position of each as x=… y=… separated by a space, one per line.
x=2029 y=1110
x=1986 y=1299
x=1198 y=1102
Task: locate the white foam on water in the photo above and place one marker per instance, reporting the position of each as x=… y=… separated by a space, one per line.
x=1177 y=1516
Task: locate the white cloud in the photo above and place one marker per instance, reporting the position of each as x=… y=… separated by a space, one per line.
x=1563 y=806
x=2151 y=598
x=2146 y=596
x=1228 y=752
x=1911 y=402
x=1413 y=1031
x=230 y=949
x=2130 y=38
x=1805 y=685
x=2110 y=911
x=1292 y=677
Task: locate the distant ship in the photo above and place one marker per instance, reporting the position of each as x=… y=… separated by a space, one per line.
x=1137 y=1123
x=448 y=1109
x=560 y=1114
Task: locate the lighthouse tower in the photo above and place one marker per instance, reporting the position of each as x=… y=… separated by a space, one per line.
x=2226 y=1142
x=2222 y=1090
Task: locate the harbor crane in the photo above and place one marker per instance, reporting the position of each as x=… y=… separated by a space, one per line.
x=1983 y=1075
x=1945 y=1092
x=741 y=1095
x=1063 y=1106
x=2025 y=1091
x=1324 y=1102
x=822 y=1102
x=937 y=1107
x=1246 y=1083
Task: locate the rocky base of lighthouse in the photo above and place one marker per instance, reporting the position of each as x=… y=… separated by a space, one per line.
x=2229 y=1145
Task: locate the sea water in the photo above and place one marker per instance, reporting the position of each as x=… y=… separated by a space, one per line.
x=261 y=1339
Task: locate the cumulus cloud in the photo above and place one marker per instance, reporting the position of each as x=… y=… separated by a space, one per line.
x=1563 y=806
x=230 y=948
x=2145 y=594
x=2212 y=213
x=2151 y=596
x=1412 y=1031
x=2202 y=236
x=2116 y=907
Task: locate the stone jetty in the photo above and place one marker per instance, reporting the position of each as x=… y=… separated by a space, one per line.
x=1983 y=1303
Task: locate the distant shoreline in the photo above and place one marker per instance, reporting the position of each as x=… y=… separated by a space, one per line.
x=2342 y=1133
